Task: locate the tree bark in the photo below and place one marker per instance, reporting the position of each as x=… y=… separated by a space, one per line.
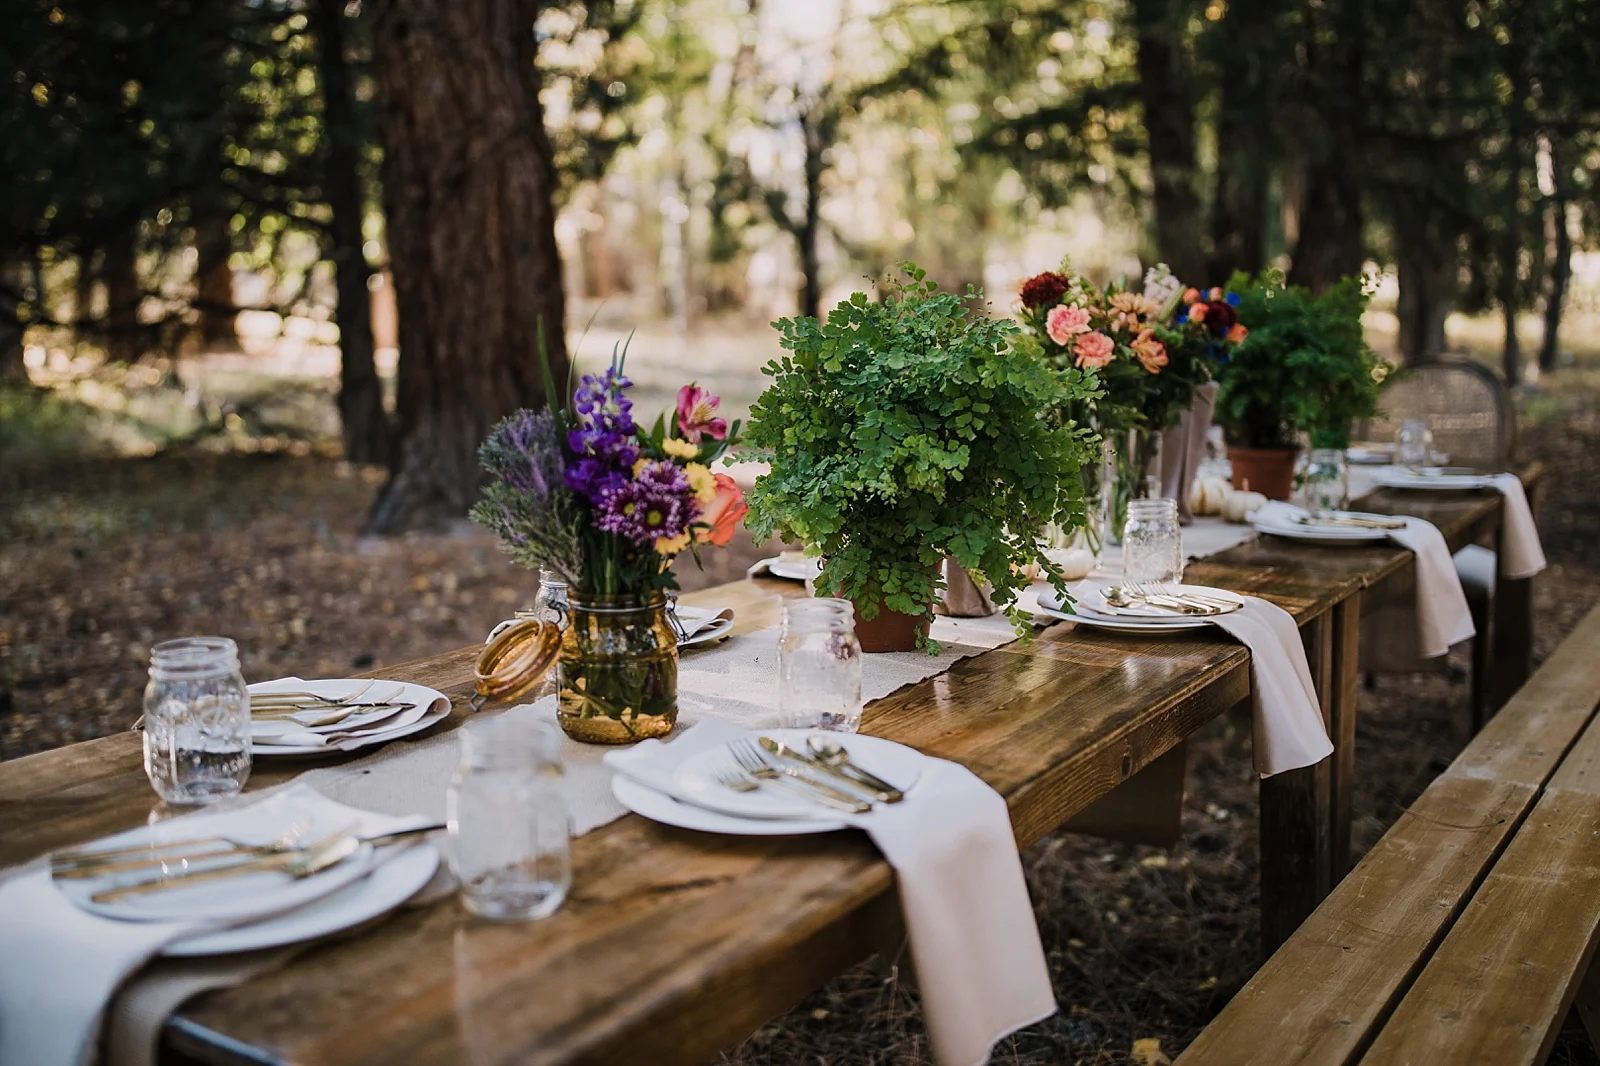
x=366 y=432
x=123 y=336
x=1428 y=282
x=214 y=281
x=1555 y=296
x=13 y=370
x=467 y=186
x=1245 y=155
x=1330 y=243
x=1167 y=100
x=810 y=227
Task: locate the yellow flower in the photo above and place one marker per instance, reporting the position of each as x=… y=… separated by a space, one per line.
x=639 y=464
x=680 y=449
x=672 y=545
x=702 y=481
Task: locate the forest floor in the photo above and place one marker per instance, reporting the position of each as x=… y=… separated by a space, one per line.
x=101 y=558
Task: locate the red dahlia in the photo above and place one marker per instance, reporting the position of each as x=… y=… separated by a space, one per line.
x=1045 y=289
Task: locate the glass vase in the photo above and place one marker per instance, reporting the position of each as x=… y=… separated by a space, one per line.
x=1130 y=469
x=618 y=669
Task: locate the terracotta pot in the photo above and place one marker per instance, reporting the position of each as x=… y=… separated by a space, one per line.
x=891 y=630
x=1269 y=471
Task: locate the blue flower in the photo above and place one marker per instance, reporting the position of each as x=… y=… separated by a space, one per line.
x=1233 y=298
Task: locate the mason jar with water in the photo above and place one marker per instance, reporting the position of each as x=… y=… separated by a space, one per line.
x=196 y=721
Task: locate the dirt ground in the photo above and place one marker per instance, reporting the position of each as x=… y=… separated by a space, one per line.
x=98 y=560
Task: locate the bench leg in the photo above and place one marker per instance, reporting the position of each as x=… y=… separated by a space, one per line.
x=1339 y=710
x=1297 y=819
x=1511 y=647
x=1587 y=1004
x=1482 y=658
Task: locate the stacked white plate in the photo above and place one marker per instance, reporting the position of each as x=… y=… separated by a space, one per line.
x=1282 y=520
x=1093 y=609
x=266 y=908
x=694 y=798
x=411 y=709
x=1442 y=478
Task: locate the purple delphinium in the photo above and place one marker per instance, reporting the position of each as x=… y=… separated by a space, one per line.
x=605 y=418
x=656 y=503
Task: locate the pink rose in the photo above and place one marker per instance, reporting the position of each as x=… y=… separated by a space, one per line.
x=1094 y=350
x=697 y=414
x=1063 y=323
x=1151 y=353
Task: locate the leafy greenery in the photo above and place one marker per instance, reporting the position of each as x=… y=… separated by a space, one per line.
x=1304 y=368
x=902 y=431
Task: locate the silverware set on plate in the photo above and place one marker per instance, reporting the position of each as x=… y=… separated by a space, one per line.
x=823 y=773
x=1349 y=521
x=1149 y=595
x=184 y=863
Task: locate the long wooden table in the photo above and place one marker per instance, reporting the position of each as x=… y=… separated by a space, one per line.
x=675 y=944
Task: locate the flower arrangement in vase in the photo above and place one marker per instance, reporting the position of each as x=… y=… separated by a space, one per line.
x=1305 y=368
x=903 y=430
x=607 y=505
x=1149 y=351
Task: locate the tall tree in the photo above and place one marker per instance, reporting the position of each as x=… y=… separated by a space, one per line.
x=467 y=186
x=365 y=425
x=1167 y=94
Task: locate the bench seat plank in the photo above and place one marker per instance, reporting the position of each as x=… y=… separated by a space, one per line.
x=1499 y=988
x=1321 y=998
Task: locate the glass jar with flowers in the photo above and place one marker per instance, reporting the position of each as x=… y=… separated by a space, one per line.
x=1148 y=356
x=607 y=505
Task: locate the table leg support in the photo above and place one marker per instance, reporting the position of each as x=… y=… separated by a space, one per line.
x=1511 y=657
x=1297 y=819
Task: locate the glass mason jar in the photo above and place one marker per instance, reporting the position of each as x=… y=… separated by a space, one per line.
x=1327 y=481
x=196 y=721
x=819 y=666
x=1152 y=543
x=510 y=831
x=1413 y=443
x=549 y=605
x=618 y=669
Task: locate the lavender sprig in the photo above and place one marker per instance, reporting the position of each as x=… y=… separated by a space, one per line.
x=526 y=502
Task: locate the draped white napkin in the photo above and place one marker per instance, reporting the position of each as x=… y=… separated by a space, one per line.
x=979 y=962
x=1286 y=716
x=1443 y=617
x=1521 y=554
x=61 y=965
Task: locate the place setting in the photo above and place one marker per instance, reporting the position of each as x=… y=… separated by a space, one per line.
x=291 y=716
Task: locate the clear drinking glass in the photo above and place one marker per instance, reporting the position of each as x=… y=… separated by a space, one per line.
x=1152 y=544
x=819 y=666
x=1327 y=481
x=196 y=721
x=508 y=820
x=1414 y=443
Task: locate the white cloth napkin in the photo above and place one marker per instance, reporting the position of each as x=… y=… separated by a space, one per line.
x=979 y=962
x=62 y=965
x=695 y=619
x=1443 y=617
x=1521 y=554
x=1286 y=715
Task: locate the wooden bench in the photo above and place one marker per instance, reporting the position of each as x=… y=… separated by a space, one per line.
x=1465 y=934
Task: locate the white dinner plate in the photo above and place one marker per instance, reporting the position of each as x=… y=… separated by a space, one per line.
x=1123 y=625
x=1370 y=454
x=1325 y=534
x=1093 y=604
x=787 y=570
x=658 y=807
x=696 y=777
x=390 y=884
x=232 y=899
x=433 y=704
x=1398 y=477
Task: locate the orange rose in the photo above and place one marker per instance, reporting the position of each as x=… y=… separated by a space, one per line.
x=1238 y=332
x=722 y=514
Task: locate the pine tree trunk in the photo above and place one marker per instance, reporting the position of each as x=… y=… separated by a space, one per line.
x=467 y=184
x=1555 y=296
x=1511 y=359
x=214 y=281
x=1244 y=157
x=1330 y=245
x=1167 y=100
x=123 y=336
x=13 y=371
x=366 y=430
x=806 y=235
x=1427 y=294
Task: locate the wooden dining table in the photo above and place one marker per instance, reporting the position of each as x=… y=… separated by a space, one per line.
x=675 y=944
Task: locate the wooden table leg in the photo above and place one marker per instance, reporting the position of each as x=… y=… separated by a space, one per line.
x=1339 y=710
x=1297 y=820
x=1511 y=654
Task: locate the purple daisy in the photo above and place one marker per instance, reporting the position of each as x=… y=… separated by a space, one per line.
x=656 y=503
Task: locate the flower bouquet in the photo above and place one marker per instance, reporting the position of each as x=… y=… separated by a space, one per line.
x=1150 y=351
x=607 y=505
